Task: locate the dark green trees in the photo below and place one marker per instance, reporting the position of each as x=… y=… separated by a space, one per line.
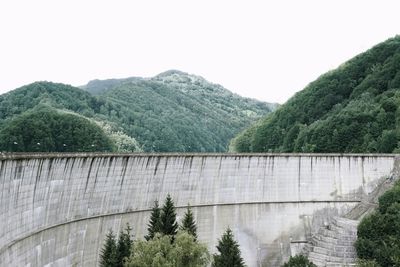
x=108 y=254
x=299 y=261
x=166 y=246
x=113 y=253
x=162 y=220
x=177 y=112
x=169 y=226
x=124 y=245
x=188 y=223
x=142 y=114
x=353 y=109
x=48 y=130
x=379 y=233
x=154 y=225
x=228 y=252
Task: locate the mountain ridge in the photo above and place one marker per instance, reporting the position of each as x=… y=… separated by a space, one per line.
x=98 y=86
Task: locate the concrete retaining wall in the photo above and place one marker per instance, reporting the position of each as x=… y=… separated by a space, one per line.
x=56 y=208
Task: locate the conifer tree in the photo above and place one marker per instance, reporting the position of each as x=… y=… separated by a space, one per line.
x=169 y=226
x=108 y=254
x=124 y=245
x=154 y=225
x=188 y=223
x=229 y=252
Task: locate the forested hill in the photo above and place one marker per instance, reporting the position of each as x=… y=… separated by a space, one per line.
x=354 y=108
x=175 y=111
x=172 y=112
x=48 y=117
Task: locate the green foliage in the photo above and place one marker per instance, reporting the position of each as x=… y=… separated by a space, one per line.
x=379 y=233
x=389 y=198
x=228 y=252
x=188 y=252
x=108 y=254
x=161 y=252
x=154 y=225
x=122 y=141
x=242 y=142
x=177 y=112
x=188 y=223
x=169 y=226
x=388 y=141
x=56 y=95
x=351 y=109
x=124 y=245
x=45 y=129
x=367 y=263
x=172 y=112
x=299 y=261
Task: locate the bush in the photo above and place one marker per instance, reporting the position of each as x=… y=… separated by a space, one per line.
x=367 y=263
x=160 y=251
x=299 y=261
x=390 y=197
x=379 y=233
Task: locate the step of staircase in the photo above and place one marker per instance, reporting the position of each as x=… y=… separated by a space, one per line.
x=329 y=252
x=331 y=247
x=334 y=241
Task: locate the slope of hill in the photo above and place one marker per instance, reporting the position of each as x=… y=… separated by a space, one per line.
x=45 y=129
x=175 y=111
x=23 y=103
x=354 y=108
x=172 y=112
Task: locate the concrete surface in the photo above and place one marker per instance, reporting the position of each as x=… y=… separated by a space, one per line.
x=55 y=209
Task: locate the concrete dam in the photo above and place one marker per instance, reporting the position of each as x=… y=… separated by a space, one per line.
x=55 y=209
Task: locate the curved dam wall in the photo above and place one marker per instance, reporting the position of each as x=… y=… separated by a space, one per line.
x=55 y=209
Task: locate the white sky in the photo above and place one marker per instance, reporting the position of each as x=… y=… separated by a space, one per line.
x=261 y=49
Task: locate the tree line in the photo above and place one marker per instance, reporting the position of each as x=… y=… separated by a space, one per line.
x=168 y=244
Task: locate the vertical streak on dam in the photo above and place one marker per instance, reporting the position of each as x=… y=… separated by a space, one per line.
x=56 y=208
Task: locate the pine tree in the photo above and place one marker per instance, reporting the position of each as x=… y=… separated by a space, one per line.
x=154 y=225
x=124 y=245
x=188 y=223
x=108 y=254
x=169 y=226
x=229 y=252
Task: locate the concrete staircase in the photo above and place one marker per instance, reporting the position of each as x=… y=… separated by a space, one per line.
x=332 y=245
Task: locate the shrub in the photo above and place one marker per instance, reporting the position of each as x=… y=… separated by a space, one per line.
x=379 y=233
x=299 y=261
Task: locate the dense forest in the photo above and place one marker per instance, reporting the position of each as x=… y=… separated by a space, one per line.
x=354 y=108
x=378 y=242
x=45 y=129
x=178 y=112
x=172 y=112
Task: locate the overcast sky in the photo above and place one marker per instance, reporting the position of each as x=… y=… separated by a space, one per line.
x=261 y=49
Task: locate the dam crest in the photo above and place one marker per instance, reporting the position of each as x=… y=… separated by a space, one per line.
x=56 y=208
